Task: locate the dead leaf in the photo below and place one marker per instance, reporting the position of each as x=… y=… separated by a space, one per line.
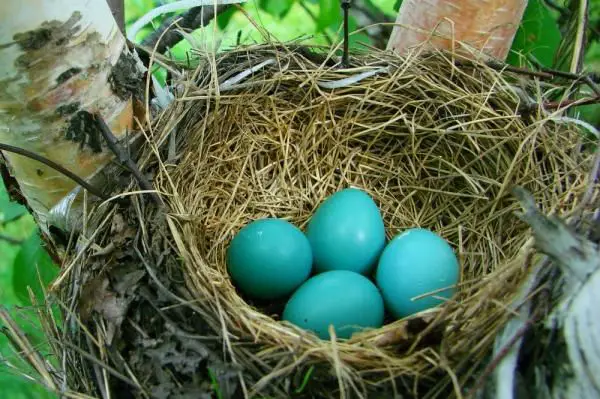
x=118 y=224
x=183 y=361
x=111 y=306
x=120 y=230
x=393 y=336
x=127 y=283
x=406 y=330
x=92 y=290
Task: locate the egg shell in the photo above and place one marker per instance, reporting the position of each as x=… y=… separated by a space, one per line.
x=346 y=232
x=415 y=263
x=269 y=258
x=348 y=300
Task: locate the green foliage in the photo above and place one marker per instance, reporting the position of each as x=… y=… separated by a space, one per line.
x=538 y=36
x=9 y=211
x=224 y=18
x=277 y=8
x=17 y=224
x=33 y=269
x=330 y=13
x=134 y=9
x=381 y=7
x=397 y=5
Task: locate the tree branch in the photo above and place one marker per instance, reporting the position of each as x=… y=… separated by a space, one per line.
x=10 y=240
x=575 y=255
x=191 y=19
x=125 y=159
x=93 y=190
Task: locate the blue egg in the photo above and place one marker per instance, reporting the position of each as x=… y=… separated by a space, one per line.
x=269 y=258
x=349 y=301
x=346 y=232
x=415 y=263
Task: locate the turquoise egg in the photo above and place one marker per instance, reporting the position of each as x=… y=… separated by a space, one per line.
x=269 y=258
x=415 y=263
x=346 y=232
x=347 y=300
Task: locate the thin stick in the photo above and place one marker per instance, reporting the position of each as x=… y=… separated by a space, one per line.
x=544 y=73
x=10 y=240
x=573 y=102
x=346 y=56
x=55 y=166
x=593 y=85
x=191 y=19
x=20 y=341
x=125 y=160
x=501 y=355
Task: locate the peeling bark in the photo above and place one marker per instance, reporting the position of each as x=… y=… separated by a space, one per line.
x=560 y=358
x=58 y=65
x=488 y=26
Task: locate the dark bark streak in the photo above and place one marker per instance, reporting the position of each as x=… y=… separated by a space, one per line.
x=16 y=150
x=192 y=19
x=125 y=159
x=117 y=7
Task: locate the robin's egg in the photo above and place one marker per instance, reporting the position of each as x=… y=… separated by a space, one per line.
x=414 y=264
x=347 y=300
x=269 y=258
x=346 y=232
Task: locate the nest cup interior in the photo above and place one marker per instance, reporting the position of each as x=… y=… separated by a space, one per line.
x=436 y=146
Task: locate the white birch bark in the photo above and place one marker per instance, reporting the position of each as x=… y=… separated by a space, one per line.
x=571 y=331
x=486 y=26
x=57 y=64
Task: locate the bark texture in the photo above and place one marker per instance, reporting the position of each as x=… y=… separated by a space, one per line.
x=560 y=356
x=118 y=11
x=58 y=66
x=486 y=25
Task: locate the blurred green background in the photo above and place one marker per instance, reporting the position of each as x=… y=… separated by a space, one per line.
x=23 y=261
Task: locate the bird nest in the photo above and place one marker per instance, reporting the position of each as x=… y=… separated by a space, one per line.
x=438 y=141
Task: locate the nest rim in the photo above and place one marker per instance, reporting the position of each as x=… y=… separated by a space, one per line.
x=348 y=357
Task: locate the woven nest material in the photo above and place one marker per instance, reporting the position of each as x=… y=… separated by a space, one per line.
x=437 y=144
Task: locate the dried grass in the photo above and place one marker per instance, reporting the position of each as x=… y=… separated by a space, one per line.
x=436 y=145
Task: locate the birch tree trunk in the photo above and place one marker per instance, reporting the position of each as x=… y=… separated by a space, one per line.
x=60 y=62
x=488 y=26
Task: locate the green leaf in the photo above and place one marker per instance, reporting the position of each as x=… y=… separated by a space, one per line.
x=277 y=8
x=32 y=268
x=357 y=40
x=142 y=33
x=592 y=57
x=397 y=5
x=330 y=13
x=305 y=380
x=134 y=9
x=224 y=18
x=570 y=52
x=9 y=210
x=377 y=8
x=538 y=36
